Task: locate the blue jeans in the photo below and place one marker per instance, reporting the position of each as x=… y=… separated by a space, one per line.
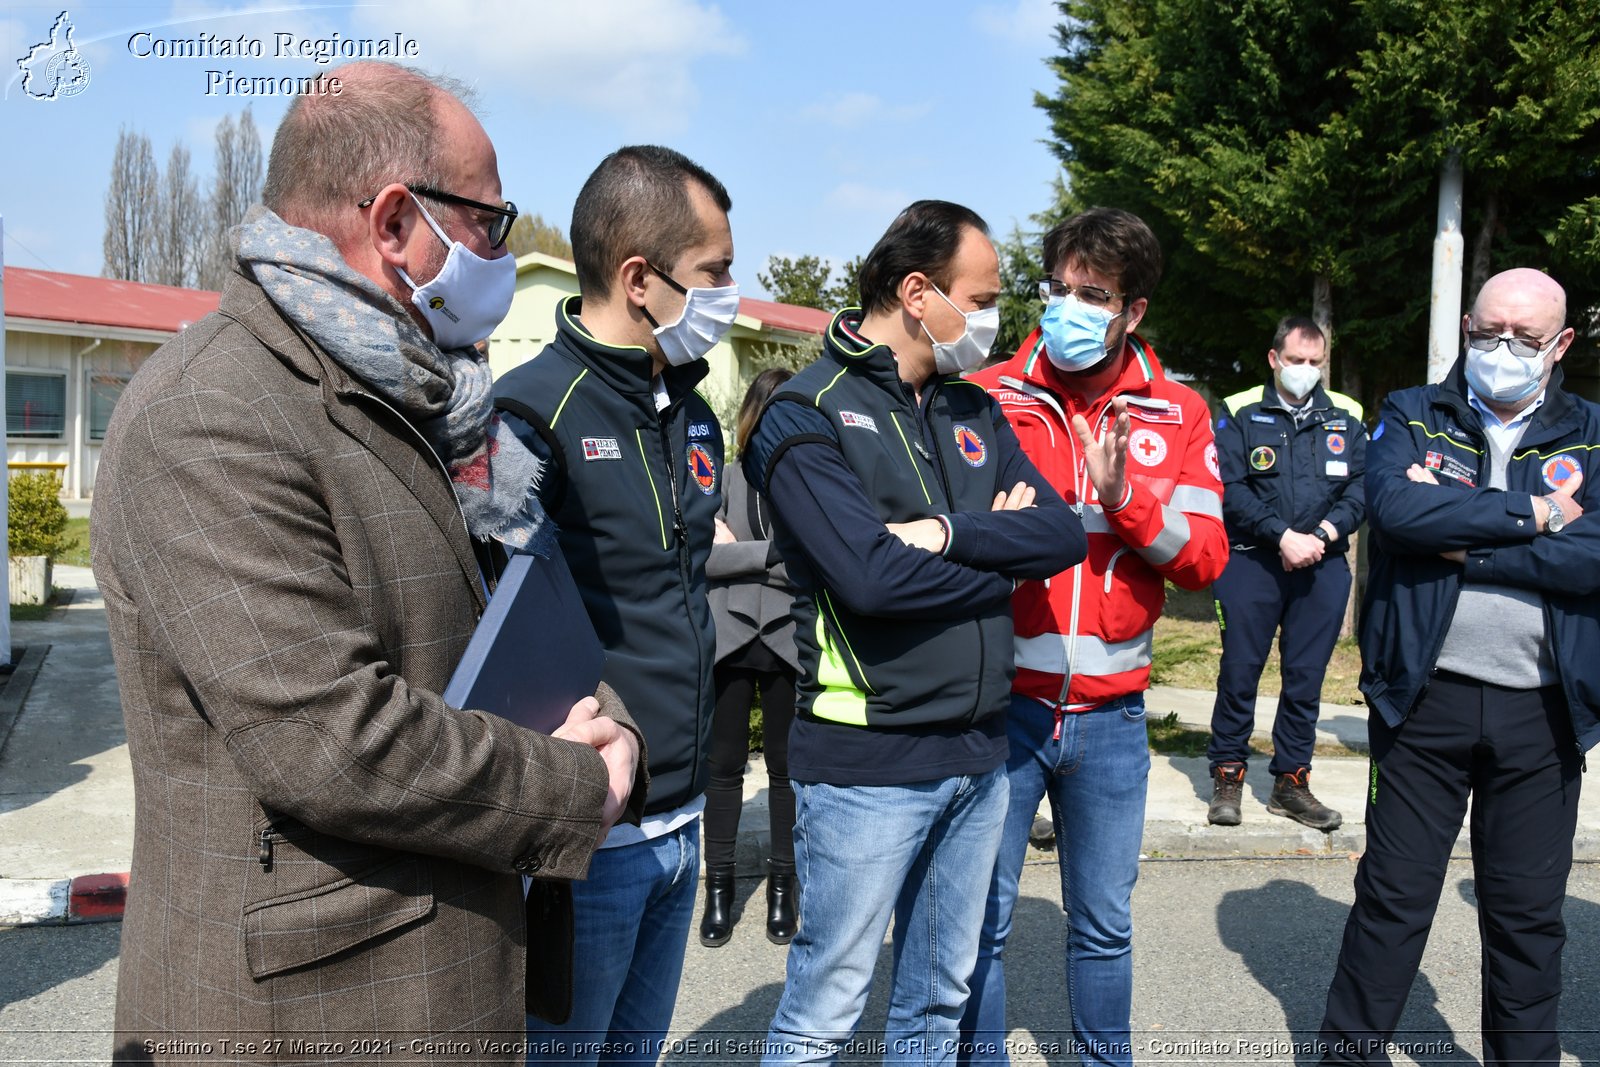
x=632 y=929
x=921 y=852
x=1095 y=774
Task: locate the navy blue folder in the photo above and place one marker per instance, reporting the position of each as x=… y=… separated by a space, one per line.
x=534 y=653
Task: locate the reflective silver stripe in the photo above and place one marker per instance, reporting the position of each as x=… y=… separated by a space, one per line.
x=1094 y=520
x=1048 y=654
x=1198 y=500
x=1170 y=541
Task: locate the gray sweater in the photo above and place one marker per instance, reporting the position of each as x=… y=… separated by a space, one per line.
x=748 y=586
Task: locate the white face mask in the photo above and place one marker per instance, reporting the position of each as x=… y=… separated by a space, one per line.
x=469 y=296
x=1500 y=375
x=707 y=316
x=972 y=347
x=1298 y=379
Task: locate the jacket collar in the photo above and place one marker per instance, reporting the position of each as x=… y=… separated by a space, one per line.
x=1140 y=369
x=844 y=345
x=1547 y=422
x=626 y=369
x=353 y=408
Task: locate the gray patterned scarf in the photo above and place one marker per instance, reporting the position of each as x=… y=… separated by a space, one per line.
x=445 y=395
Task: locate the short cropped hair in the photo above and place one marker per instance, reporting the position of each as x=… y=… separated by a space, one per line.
x=1293 y=324
x=636 y=203
x=923 y=238
x=330 y=152
x=1112 y=242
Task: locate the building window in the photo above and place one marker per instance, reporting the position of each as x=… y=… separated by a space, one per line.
x=36 y=405
x=104 y=391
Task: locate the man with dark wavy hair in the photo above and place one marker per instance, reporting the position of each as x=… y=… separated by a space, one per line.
x=906 y=513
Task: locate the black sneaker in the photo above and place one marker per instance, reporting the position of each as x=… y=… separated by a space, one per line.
x=1291 y=798
x=1227 y=786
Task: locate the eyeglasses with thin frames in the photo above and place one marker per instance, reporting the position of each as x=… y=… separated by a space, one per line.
x=1093 y=295
x=499 y=228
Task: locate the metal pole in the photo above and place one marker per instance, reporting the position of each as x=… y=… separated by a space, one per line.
x=1449 y=249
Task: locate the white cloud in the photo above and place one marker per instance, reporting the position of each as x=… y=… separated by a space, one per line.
x=630 y=58
x=859 y=198
x=1031 y=23
x=856 y=109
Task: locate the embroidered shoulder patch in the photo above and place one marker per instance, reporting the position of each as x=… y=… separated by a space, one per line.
x=1557 y=469
x=698 y=430
x=971 y=446
x=855 y=418
x=703 y=468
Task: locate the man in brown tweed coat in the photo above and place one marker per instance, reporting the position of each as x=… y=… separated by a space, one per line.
x=289 y=531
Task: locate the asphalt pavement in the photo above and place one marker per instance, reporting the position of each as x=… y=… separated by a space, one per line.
x=1231 y=965
x=1238 y=949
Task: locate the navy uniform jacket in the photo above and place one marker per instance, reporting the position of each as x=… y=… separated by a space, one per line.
x=635 y=493
x=1412 y=591
x=890 y=635
x=1277 y=476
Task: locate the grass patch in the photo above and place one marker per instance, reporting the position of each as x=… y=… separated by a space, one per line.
x=1188 y=652
x=77 y=555
x=35 y=612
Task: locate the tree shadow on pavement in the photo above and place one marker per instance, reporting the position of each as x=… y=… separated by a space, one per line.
x=1287 y=935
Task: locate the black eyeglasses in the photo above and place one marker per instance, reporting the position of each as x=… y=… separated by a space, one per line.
x=499 y=229
x=1096 y=297
x=1520 y=347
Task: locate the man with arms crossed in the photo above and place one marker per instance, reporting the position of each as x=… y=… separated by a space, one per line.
x=1479 y=634
x=905 y=512
x=290 y=531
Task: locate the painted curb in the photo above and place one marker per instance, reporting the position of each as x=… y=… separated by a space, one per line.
x=88 y=898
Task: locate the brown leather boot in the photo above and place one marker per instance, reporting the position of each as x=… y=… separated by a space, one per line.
x=1291 y=798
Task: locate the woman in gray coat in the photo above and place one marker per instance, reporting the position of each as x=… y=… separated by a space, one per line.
x=750 y=601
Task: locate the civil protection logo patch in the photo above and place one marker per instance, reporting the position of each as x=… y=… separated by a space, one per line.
x=971 y=446
x=1557 y=469
x=1262 y=457
x=703 y=468
x=1336 y=443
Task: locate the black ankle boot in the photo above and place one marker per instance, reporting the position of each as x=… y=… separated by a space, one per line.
x=717 y=924
x=782 y=901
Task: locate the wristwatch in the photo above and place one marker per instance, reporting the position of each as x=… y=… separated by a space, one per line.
x=1321 y=535
x=1557 y=521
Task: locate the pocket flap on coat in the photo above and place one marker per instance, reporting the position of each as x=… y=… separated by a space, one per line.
x=292 y=931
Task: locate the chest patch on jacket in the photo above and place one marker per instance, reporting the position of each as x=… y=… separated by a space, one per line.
x=1450 y=467
x=855 y=418
x=971 y=446
x=1336 y=443
x=1147 y=447
x=1266 y=419
x=601 y=448
x=1170 y=413
x=1557 y=469
x=1262 y=457
x=703 y=469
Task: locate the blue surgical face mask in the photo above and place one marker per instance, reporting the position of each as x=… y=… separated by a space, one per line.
x=1075 y=333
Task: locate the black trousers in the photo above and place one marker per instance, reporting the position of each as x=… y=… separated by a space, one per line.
x=730 y=748
x=1513 y=752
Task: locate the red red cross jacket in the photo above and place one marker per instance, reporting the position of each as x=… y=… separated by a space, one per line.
x=1084 y=636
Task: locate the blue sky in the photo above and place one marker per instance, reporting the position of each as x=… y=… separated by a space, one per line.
x=822 y=118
